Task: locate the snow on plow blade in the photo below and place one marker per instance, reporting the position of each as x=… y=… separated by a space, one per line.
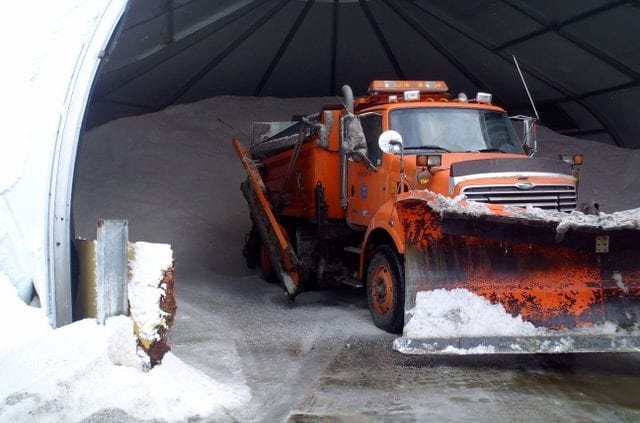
x=489 y=279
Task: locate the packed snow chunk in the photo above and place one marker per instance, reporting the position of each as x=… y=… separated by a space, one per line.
x=458 y=312
x=459 y=204
x=147 y=266
x=480 y=349
x=121 y=343
x=21 y=323
x=626 y=219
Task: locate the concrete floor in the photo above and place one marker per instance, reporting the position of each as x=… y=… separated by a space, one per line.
x=321 y=359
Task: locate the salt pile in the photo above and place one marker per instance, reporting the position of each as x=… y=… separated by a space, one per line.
x=610 y=176
x=176 y=178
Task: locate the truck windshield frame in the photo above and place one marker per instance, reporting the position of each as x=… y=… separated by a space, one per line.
x=455 y=129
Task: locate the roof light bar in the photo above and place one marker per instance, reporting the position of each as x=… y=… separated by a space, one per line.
x=401 y=86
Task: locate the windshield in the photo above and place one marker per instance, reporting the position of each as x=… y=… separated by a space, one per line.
x=455 y=129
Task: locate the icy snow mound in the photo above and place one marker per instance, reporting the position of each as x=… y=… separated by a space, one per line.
x=32 y=321
x=458 y=312
x=71 y=373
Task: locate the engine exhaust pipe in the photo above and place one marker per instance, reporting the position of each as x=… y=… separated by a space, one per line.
x=347 y=92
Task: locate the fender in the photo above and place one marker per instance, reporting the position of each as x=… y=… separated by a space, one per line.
x=385 y=220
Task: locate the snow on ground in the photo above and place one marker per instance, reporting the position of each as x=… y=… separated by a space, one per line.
x=70 y=373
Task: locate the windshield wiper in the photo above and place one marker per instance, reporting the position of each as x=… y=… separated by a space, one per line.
x=427 y=147
x=490 y=150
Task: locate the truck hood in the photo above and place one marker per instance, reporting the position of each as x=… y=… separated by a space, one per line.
x=549 y=184
x=510 y=165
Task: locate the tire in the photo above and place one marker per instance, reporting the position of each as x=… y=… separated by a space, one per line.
x=251 y=248
x=385 y=289
x=267 y=271
x=256 y=256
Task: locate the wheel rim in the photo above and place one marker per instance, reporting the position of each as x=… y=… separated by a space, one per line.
x=382 y=289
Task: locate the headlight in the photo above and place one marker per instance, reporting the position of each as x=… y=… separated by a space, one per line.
x=429 y=160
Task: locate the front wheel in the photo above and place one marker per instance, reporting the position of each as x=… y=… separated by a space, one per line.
x=385 y=289
x=256 y=255
x=267 y=271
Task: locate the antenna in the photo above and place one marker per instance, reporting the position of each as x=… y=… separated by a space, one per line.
x=526 y=87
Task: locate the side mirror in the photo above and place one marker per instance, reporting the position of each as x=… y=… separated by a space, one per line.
x=529 y=140
x=390 y=142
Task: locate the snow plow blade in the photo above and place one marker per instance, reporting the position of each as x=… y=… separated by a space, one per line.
x=281 y=253
x=482 y=279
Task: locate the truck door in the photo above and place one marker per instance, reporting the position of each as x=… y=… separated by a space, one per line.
x=365 y=185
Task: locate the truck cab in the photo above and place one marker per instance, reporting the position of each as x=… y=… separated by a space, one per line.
x=451 y=146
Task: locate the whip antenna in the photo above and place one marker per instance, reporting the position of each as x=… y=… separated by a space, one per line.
x=526 y=87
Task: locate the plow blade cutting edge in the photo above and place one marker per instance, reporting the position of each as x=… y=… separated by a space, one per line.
x=495 y=282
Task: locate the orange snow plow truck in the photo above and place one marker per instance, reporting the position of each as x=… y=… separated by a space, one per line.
x=464 y=241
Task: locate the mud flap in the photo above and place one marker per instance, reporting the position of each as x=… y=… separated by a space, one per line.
x=566 y=296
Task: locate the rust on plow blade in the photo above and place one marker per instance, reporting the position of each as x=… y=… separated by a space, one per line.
x=563 y=287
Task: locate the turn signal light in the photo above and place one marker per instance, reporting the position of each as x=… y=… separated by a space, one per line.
x=424 y=177
x=576 y=159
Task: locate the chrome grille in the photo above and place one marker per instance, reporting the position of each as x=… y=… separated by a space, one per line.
x=550 y=197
